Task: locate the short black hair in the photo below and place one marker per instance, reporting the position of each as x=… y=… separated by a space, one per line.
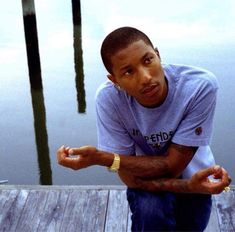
x=120 y=39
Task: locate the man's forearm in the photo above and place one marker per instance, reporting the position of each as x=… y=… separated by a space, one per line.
x=142 y=166
x=170 y=185
x=146 y=166
x=169 y=165
x=156 y=185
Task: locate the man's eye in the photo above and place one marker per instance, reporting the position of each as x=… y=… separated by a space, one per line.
x=148 y=60
x=128 y=72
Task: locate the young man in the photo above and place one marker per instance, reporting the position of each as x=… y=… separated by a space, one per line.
x=154 y=127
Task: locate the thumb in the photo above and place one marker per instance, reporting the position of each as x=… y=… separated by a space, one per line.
x=84 y=150
x=74 y=151
x=204 y=173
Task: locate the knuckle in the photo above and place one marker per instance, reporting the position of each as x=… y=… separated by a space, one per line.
x=197 y=175
x=226 y=182
x=74 y=167
x=60 y=161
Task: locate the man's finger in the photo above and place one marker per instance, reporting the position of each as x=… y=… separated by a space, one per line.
x=71 y=162
x=225 y=177
x=75 y=151
x=67 y=149
x=218 y=173
x=84 y=150
x=61 y=148
x=224 y=182
x=61 y=152
x=208 y=171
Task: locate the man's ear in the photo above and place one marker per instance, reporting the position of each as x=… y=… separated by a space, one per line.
x=157 y=52
x=112 y=78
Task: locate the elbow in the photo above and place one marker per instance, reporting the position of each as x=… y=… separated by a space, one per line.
x=174 y=171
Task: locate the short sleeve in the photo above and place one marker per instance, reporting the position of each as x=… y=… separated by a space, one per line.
x=112 y=135
x=195 y=129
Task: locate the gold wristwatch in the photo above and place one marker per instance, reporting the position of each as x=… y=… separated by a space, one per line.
x=116 y=163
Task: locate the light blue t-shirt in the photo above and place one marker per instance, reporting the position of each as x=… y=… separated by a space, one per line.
x=185 y=117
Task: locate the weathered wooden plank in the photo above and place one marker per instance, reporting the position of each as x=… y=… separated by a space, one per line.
x=85 y=211
x=14 y=212
x=3 y=197
x=225 y=204
x=8 y=207
x=52 y=215
x=82 y=208
x=213 y=225
x=117 y=212
x=6 y=201
x=33 y=208
x=63 y=187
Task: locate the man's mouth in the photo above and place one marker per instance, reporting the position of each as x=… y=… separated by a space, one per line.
x=150 y=90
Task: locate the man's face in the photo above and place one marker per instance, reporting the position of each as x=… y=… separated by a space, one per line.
x=138 y=71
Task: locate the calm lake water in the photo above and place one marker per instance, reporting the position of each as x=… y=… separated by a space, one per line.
x=33 y=124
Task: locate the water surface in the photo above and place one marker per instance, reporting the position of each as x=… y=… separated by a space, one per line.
x=33 y=124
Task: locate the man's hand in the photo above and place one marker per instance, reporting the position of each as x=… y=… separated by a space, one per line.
x=77 y=158
x=198 y=183
x=201 y=183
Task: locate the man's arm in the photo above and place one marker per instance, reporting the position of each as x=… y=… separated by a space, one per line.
x=169 y=165
x=199 y=183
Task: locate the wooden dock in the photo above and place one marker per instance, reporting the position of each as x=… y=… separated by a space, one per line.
x=85 y=208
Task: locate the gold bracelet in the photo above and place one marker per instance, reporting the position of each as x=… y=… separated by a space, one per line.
x=116 y=163
x=226 y=189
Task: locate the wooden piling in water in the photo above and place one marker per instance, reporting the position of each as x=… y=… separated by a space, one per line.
x=78 y=59
x=41 y=137
x=31 y=39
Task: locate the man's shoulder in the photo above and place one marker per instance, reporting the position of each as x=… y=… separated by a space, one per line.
x=107 y=88
x=191 y=74
x=108 y=94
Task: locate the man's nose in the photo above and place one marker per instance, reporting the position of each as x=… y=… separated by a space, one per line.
x=144 y=75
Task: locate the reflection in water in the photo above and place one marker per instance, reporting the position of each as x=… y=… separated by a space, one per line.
x=76 y=8
x=31 y=39
x=39 y=112
x=41 y=136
